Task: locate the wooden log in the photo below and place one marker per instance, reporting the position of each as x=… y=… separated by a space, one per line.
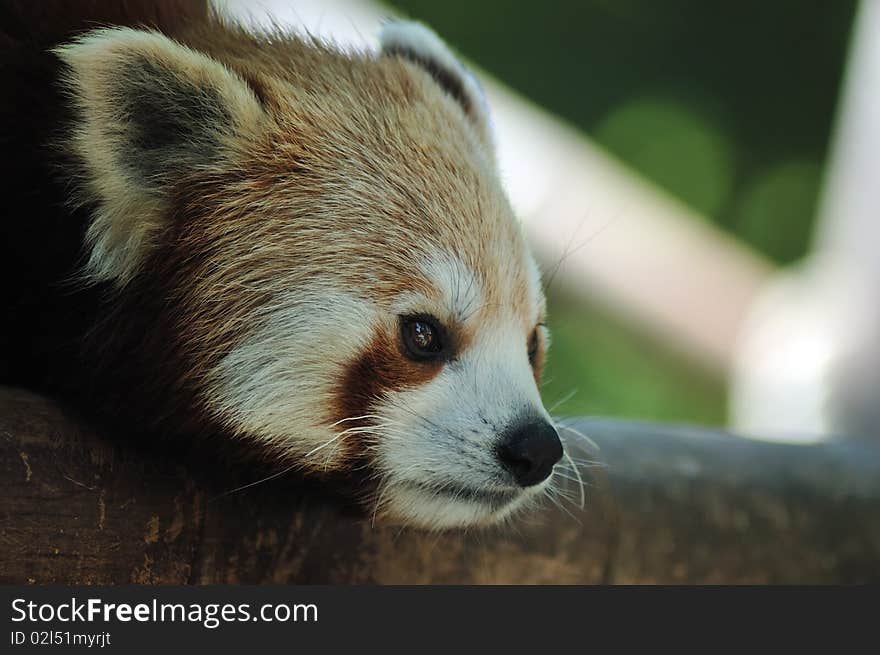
x=674 y=504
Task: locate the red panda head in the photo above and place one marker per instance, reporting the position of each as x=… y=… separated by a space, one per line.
x=349 y=284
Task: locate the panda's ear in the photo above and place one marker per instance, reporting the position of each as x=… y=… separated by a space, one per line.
x=419 y=44
x=148 y=111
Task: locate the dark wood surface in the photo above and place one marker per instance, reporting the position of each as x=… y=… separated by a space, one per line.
x=672 y=504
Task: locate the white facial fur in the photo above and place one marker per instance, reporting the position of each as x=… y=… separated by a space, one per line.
x=432 y=442
x=441 y=437
x=271 y=384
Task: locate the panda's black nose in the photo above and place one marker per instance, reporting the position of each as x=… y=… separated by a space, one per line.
x=529 y=449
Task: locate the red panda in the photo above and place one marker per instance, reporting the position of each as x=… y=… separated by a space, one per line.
x=260 y=237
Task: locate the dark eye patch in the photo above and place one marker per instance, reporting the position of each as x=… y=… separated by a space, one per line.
x=533 y=346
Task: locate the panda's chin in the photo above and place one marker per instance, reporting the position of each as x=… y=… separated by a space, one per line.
x=451 y=506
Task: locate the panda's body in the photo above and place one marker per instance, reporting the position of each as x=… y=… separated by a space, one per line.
x=213 y=233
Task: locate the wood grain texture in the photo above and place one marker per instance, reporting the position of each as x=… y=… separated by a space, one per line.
x=674 y=505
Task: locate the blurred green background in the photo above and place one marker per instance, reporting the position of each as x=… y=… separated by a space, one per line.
x=728 y=106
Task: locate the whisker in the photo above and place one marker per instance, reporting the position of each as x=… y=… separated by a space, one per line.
x=382 y=489
x=577 y=433
x=569 y=251
x=551 y=494
x=355 y=418
x=578 y=474
x=353 y=430
x=253 y=484
x=590 y=463
x=563 y=493
x=562 y=400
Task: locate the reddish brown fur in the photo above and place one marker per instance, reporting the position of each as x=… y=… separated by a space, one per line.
x=382 y=367
x=359 y=153
x=285 y=171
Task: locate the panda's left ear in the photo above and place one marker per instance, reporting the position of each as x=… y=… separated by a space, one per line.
x=419 y=44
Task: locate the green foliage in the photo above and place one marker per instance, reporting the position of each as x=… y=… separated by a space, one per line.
x=773 y=204
x=598 y=366
x=674 y=147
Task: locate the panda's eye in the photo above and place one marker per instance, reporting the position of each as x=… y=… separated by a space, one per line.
x=422 y=337
x=533 y=346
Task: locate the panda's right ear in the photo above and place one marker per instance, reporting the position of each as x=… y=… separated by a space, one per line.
x=420 y=45
x=148 y=111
